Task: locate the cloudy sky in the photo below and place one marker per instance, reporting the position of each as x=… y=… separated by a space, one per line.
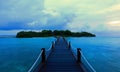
x=97 y=16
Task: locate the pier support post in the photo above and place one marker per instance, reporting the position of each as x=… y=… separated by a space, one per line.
x=78 y=55
x=43 y=55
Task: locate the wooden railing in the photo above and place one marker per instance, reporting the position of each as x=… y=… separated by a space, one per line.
x=78 y=55
x=80 y=58
x=40 y=61
x=37 y=63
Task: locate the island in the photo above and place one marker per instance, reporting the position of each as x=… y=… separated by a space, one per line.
x=50 y=33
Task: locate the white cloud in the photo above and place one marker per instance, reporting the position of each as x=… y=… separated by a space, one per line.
x=90 y=15
x=79 y=24
x=21 y=10
x=51 y=12
x=32 y=23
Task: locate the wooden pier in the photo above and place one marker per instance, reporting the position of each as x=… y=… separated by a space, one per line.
x=59 y=59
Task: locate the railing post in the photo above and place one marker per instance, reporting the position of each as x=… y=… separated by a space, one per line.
x=78 y=55
x=57 y=39
x=64 y=38
x=69 y=45
x=43 y=55
x=53 y=45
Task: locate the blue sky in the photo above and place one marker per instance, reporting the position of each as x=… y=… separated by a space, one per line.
x=97 y=16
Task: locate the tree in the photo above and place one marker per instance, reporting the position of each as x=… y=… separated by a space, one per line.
x=47 y=33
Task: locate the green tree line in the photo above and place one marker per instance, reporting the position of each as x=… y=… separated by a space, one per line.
x=49 y=33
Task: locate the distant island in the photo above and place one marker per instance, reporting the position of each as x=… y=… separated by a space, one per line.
x=50 y=33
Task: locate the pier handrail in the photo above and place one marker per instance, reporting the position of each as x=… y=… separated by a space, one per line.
x=89 y=65
x=48 y=51
x=36 y=62
x=77 y=53
x=41 y=58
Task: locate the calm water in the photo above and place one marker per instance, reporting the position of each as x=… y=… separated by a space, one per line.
x=17 y=55
x=102 y=53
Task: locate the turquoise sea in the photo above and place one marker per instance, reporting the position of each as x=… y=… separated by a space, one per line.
x=18 y=54
x=103 y=53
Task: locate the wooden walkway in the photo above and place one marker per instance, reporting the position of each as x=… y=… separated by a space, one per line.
x=61 y=59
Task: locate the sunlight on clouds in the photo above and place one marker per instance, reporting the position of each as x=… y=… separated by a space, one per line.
x=114 y=23
x=109 y=9
x=82 y=6
x=91 y=15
